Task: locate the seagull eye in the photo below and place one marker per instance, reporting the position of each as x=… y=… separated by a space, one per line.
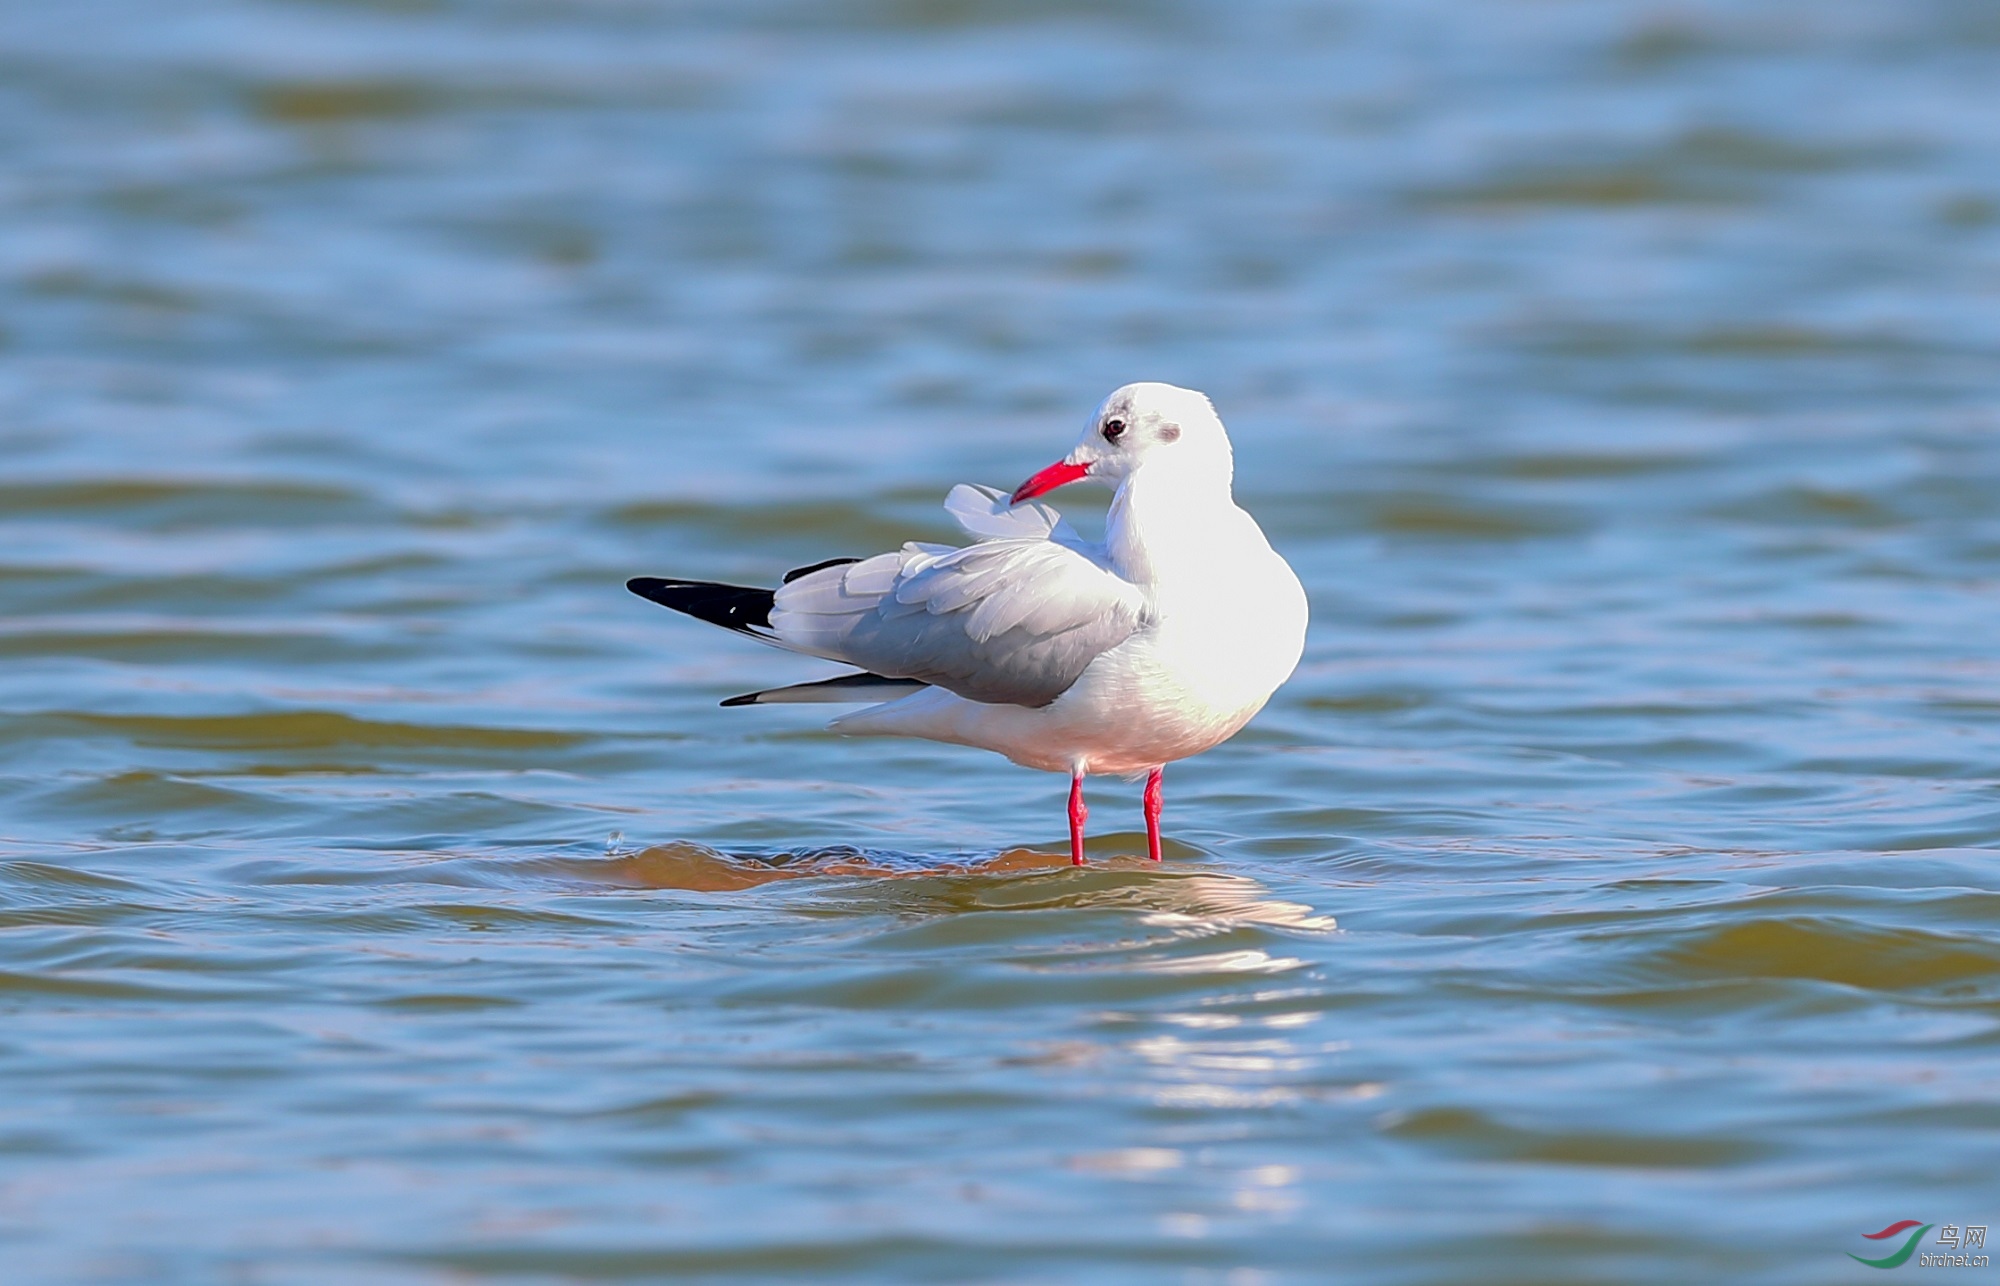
x=1114 y=430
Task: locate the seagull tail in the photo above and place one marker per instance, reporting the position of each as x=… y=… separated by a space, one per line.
x=847 y=689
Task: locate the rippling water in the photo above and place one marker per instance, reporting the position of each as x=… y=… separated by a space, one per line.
x=1611 y=897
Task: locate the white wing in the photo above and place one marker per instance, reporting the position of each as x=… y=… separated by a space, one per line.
x=1011 y=620
x=985 y=513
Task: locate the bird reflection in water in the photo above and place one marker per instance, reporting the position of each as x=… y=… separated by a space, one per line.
x=1193 y=903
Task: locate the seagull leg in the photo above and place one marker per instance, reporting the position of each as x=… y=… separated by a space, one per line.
x=1153 y=813
x=1078 y=814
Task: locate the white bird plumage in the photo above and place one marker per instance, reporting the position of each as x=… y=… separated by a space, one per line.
x=1061 y=654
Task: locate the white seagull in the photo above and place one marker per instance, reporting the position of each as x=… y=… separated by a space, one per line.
x=1058 y=653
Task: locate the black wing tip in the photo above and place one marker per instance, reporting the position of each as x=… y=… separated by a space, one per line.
x=651 y=587
x=742 y=608
x=829 y=687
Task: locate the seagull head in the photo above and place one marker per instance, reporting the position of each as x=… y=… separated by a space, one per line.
x=1158 y=426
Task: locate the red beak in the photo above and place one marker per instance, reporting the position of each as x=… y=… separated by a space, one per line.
x=1059 y=474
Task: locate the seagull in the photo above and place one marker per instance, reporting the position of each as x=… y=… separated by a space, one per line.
x=1062 y=654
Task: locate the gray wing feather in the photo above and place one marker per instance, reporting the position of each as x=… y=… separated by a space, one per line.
x=1011 y=620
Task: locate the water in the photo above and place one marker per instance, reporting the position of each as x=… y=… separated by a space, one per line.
x=1610 y=897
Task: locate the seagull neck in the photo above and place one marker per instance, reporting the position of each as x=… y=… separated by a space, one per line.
x=1161 y=522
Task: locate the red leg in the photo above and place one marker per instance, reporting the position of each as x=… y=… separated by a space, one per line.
x=1153 y=813
x=1078 y=814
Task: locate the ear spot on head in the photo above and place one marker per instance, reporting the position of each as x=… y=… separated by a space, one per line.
x=1170 y=432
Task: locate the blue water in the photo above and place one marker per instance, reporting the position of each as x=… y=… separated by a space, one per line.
x=1611 y=897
